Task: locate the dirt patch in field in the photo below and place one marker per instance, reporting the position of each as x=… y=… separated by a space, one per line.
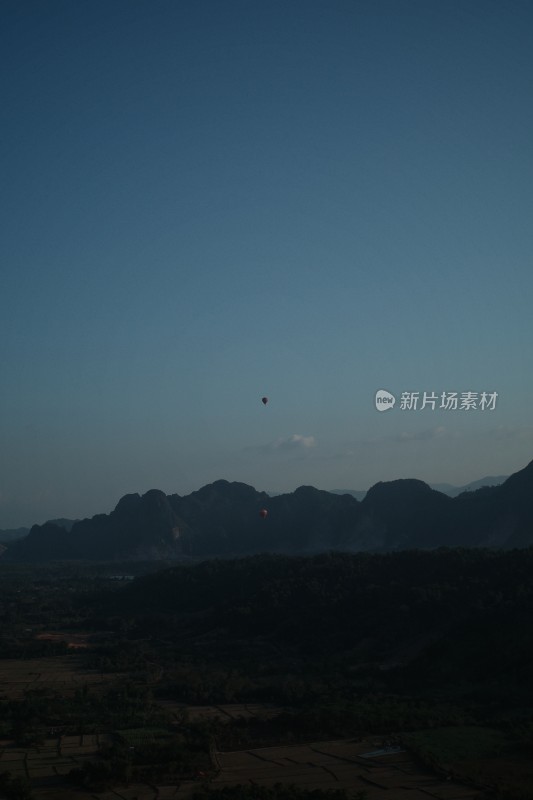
x=74 y=641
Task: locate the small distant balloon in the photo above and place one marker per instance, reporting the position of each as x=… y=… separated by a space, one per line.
x=263 y=513
x=264 y=400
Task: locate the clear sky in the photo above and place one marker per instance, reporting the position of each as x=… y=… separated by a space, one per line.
x=207 y=201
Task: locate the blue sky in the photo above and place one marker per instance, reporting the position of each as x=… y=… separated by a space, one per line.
x=205 y=202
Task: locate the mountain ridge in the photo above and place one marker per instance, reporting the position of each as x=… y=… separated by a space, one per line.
x=222 y=519
x=446 y=488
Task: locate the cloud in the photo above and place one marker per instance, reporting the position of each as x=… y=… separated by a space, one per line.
x=419 y=436
x=358 y=449
x=354 y=448
x=508 y=432
x=293 y=443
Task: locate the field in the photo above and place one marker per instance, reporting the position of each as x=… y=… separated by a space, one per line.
x=337 y=765
x=329 y=764
x=46 y=765
x=225 y=712
x=61 y=673
x=172 y=706
x=334 y=765
x=74 y=641
x=481 y=755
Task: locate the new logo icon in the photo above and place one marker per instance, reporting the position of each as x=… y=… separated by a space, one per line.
x=384 y=400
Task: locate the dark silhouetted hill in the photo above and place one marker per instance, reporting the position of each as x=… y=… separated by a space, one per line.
x=453 y=491
x=64 y=523
x=222 y=519
x=445 y=488
x=10 y=534
x=406 y=514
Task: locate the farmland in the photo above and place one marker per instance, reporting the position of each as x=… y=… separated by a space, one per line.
x=102 y=698
x=47 y=766
x=477 y=754
x=339 y=764
x=332 y=764
x=62 y=674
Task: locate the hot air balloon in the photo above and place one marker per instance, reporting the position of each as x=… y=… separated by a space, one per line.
x=263 y=513
x=264 y=400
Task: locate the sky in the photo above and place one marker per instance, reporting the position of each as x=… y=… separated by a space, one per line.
x=207 y=202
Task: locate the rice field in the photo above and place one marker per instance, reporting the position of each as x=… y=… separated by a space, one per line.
x=330 y=764
x=334 y=765
x=483 y=755
x=62 y=673
x=47 y=765
x=227 y=712
x=339 y=765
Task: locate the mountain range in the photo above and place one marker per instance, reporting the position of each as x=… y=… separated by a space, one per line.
x=10 y=534
x=222 y=519
x=445 y=488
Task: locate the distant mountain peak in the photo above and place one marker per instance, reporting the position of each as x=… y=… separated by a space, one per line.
x=401 y=486
x=127 y=503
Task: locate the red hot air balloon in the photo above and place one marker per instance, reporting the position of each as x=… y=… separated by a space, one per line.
x=263 y=513
x=264 y=400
